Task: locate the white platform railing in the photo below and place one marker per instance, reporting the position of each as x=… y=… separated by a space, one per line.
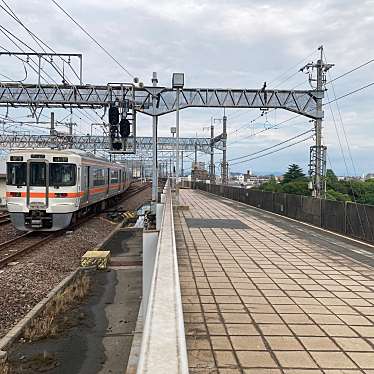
x=163 y=348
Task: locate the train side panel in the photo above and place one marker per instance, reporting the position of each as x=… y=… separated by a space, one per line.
x=46 y=192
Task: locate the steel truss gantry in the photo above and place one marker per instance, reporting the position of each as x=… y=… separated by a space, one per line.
x=142 y=98
x=92 y=143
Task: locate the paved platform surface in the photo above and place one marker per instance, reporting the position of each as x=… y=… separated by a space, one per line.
x=272 y=296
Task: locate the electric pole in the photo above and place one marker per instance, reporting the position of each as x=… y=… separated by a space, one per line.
x=317 y=165
x=154 y=140
x=211 y=166
x=182 y=167
x=52 y=129
x=224 y=174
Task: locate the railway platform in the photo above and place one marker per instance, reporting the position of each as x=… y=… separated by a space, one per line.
x=263 y=294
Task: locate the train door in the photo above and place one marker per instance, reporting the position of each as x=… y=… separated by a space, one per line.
x=85 y=181
x=108 y=182
x=37 y=184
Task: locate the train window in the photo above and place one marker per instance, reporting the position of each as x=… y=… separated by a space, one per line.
x=62 y=174
x=99 y=177
x=16 y=173
x=38 y=174
x=114 y=176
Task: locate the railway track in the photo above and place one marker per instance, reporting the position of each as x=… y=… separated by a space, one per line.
x=20 y=245
x=15 y=248
x=4 y=218
x=134 y=190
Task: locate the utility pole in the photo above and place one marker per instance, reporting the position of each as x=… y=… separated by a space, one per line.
x=177 y=148
x=182 y=168
x=70 y=127
x=52 y=129
x=318 y=128
x=177 y=83
x=194 y=166
x=224 y=174
x=211 y=166
x=317 y=164
x=154 y=144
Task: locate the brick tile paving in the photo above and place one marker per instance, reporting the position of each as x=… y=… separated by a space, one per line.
x=264 y=300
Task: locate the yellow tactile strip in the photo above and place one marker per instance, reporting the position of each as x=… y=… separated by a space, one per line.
x=263 y=300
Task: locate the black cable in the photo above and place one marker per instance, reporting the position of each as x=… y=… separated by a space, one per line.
x=276 y=150
x=350 y=71
x=93 y=39
x=329 y=82
x=40 y=42
x=292 y=67
x=273 y=146
x=284 y=73
x=19 y=58
x=298 y=115
x=2 y=28
x=350 y=156
x=349 y=93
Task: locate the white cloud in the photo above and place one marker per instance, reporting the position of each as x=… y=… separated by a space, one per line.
x=219 y=43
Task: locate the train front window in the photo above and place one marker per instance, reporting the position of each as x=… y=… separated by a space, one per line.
x=16 y=174
x=62 y=175
x=38 y=174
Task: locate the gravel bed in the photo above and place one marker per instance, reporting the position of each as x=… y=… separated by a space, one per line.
x=8 y=232
x=137 y=200
x=23 y=285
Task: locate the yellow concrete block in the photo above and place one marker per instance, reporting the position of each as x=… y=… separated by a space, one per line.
x=100 y=259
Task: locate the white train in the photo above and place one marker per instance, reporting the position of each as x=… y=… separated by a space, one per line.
x=49 y=189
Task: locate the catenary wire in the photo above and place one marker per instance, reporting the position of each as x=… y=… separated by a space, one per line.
x=273 y=146
x=93 y=39
x=274 y=151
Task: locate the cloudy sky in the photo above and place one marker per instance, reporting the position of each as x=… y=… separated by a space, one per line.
x=216 y=43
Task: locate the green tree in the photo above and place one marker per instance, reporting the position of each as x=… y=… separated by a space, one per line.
x=271 y=186
x=337 y=196
x=297 y=187
x=293 y=173
x=331 y=180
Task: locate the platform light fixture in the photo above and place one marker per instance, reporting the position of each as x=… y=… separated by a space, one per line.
x=178 y=84
x=178 y=80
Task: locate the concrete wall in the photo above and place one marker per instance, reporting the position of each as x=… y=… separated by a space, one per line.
x=355 y=220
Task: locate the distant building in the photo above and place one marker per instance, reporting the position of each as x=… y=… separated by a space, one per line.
x=369 y=176
x=349 y=178
x=256 y=181
x=198 y=171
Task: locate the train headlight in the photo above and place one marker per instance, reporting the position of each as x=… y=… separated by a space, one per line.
x=61 y=194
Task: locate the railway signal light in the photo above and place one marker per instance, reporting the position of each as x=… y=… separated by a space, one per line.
x=119 y=131
x=113 y=115
x=124 y=128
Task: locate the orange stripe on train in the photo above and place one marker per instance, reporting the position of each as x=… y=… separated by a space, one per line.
x=56 y=195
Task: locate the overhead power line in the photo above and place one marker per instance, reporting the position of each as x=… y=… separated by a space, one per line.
x=8 y=10
x=351 y=71
x=283 y=80
x=276 y=150
x=273 y=146
x=93 y=39
x=350 y=93
x=40 y=43
x=329 y=82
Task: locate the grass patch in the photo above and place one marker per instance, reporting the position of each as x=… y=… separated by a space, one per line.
x=49 y=323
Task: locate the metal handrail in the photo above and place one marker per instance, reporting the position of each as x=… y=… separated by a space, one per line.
x=163 y=348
